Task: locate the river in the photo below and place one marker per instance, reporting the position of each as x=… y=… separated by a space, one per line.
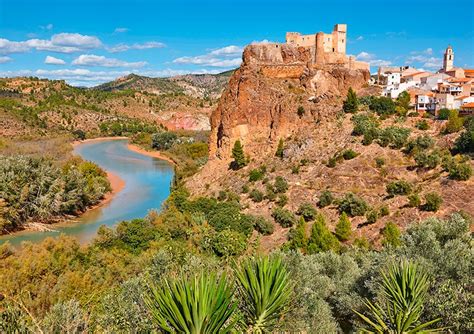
x=147 y=185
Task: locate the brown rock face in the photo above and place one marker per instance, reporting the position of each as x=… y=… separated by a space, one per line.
x=261 y=101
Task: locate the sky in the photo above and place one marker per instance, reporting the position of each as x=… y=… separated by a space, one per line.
x=93 y=41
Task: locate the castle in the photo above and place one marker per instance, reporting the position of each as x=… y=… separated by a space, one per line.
x=327 y=49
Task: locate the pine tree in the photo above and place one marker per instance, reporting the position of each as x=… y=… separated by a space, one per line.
x=343 y=228
x=351 y=103
x=279 y=151
x=238 y=155
x=321 y=238
x=297 y=236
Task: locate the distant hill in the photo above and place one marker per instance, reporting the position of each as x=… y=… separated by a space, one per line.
x=195 y=85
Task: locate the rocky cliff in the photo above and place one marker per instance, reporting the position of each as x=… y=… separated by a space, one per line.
x=276 y=92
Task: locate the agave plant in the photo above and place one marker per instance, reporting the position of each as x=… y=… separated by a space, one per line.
x=202 y=304
x=266 y=289
x=404 y=289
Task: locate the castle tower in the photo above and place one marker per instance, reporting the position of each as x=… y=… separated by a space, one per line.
x=339 y=38
x=448 y=59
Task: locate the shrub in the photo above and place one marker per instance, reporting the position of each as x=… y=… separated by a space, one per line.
x=281 y=186
x=433 y=202
x=371 y=216
x=238 y=156
x=422 y=125
x=460 y=171
x=321 y=239
x=256 y=174
x=455 y=122
x=384 y=211
x=421 y=143
x=295 y=169
x=403 y=100
x=284 y=217
x=353 y=205
x=325 y=199
x=270 y=194
x=465 y=142
x=263 y=226
x=349 y=154
x=245 y=188
x=379 y=162
x=343 y=228
x=370 y=135
x=400 y=187
x=79 y=134
x=363 y=123
x=383 y=106
x=307 y=211
x=163 y=140
x=300 y=111
x=297 y=236
x=427 y=160
x=350 y=105
x=414 y=200
x=229 y=243
x=394 y=136
x=391 y=235
x=282 y=200
x=332 y=162
x=256 y=195
x=280 y=149
x=444 y=113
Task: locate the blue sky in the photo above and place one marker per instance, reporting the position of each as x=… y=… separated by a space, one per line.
x=88 y=42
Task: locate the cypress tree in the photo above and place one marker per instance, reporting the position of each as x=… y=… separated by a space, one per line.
x=238 y=155
x=279 y=151
x=351 y=103
x=321 y=238
x=343 y=228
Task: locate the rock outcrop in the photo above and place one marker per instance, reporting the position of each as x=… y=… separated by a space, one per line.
x=277 y=91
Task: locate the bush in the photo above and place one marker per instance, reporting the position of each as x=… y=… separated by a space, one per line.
x=455 y=122
x=343 y=228
x=427 y=160
x=370 y=135
x=383 y=106
x=444 y=113
x=79 y=134
x=391 y=235
x=460 y=171
x=350 y=105
x=280 y=149
x=325 y=199
x=414 y=200
x=282 y=200
x=379 y=162
x=364 y=123
x=394 y=136
x=349 y=154
x=162 y=141
x=332 y=162
x=300 y=111
x=284 y=217
x=256 y=195
x=371 y=216
x=400 y=187
x=263 y=226
x=422 y=125
x=353 y=205
x=256 y=174
x=465 y=142
x=245 y=188
x=433 y=202
x=281 y=186
x=229 y=243
x=421 y=143
x=307 y=211
x=384 y=211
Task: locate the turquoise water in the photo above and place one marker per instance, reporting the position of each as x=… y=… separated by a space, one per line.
x=147 y=185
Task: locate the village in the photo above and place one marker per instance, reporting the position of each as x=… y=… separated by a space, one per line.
x=449 y=88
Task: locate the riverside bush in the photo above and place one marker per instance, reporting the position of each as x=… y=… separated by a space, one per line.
x=284 y=217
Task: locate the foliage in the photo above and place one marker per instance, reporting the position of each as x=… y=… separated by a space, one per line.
x=414 y=200
x=321 y=239
x=325 y=199
x=163 y=141
x=257 y=174
x=433 y=202
x=280 y=185
x=353 y=205
x=263 y=226
x=266 y=290
x=126 y=127
x=364 y=123
x=297 y=238
x=455 y=122
x=460 y=171
x=280 y=149
x=391 y=235
x=404 y=290
x=403 y=100
x=300 y=112
x=238 y=156
x=229 y=243
x=422 y=125
x=307 y=211
x=383 y=106
x=379 y=162
x=79 y=134
x=384 y=211
x=371 y=216
x=256 y=195
x=399 y=187
x=284 y=217
x=444 y=113
x=343 y=228
x=394 y=136
x=350 y=104
x=427 y=160
x=349 y=154
x=465 y=142
x=202 y=304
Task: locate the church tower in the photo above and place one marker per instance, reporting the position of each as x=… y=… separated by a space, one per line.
x=448 y=60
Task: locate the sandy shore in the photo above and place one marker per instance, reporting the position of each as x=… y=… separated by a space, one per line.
x=93 y=140
x=154 y=154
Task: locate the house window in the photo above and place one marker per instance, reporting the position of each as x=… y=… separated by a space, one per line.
x=332 y=49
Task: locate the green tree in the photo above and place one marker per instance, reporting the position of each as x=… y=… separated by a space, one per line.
x=351 y=104
x=238 y=155
x=321 y=239
x=202 y=304
x=455 y=122
x=433 y=202
x=403 y=100
x=280 y=149
x=391 y=235
x=404 y=290
x=266 y=290
x=343 y=228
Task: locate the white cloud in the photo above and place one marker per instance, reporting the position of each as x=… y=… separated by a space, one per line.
x=4 y=60
x=424 y=58
x=94 y=60
x=49 y=26
x=228 y=56
x=372 y=59
x=360 y=38
x=137 y=46
x=53 y=61
x=433 y=63
x=63 y=43
x=264 y=41
x=120 y=30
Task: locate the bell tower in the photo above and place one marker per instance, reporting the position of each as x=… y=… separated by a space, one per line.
x=448 y=59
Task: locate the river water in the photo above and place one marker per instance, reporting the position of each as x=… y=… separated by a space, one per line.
x=147 y=185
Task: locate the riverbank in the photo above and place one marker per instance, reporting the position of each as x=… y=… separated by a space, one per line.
x=153 y=154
